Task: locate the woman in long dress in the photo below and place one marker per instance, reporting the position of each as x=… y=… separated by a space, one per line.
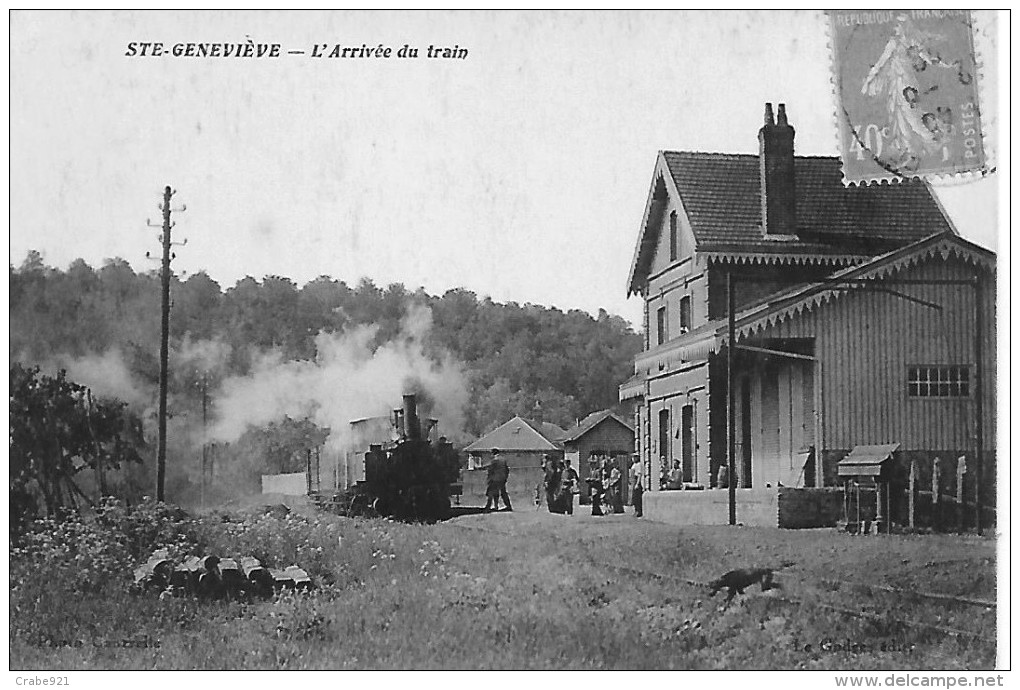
x=615 y=489
x=595 y=488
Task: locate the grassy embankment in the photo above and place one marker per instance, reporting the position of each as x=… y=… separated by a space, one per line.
x=520 y=590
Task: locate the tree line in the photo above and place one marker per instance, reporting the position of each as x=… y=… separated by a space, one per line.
x=519 y=359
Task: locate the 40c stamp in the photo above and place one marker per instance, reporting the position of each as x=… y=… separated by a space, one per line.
x=906 y=87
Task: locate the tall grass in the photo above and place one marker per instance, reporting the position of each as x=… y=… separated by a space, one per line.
x=532 y=592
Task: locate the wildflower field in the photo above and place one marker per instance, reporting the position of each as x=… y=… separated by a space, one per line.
x=505 y=590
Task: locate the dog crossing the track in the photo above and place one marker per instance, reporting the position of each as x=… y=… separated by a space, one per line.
x=736 y=581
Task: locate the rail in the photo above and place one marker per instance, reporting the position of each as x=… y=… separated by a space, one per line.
x=862 y=615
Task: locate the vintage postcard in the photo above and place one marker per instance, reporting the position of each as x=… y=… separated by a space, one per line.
x=524 y=340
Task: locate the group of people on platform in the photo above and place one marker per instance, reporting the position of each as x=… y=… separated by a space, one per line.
x=560 y=484
x=603 y=487
x=671 y=479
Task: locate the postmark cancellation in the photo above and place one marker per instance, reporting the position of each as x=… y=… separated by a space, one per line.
x=907 y=97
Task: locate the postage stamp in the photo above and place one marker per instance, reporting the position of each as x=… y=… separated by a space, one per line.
x=906 y=86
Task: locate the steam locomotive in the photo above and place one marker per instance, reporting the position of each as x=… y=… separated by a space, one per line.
x=409 y=479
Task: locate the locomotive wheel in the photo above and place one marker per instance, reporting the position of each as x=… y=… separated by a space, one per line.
x=382 y=507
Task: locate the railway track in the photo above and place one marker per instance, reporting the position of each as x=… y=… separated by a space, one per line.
x=841 y=610
x=966 y=601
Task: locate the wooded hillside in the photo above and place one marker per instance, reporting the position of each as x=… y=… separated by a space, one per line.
x=515 y=356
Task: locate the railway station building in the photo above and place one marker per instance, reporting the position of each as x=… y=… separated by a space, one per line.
x=859 y=317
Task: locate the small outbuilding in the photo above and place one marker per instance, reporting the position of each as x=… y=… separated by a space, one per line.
x=869 y=466
x=523 y=443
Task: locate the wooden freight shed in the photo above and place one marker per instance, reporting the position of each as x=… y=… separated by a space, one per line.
x=600 y=435
x=859 y=317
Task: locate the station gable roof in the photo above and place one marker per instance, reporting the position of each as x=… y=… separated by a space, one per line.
x=720 y=193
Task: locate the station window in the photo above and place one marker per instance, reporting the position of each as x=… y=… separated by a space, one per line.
x=938 y=382
x=685 y=314
x=672 y=237
x=661 y=323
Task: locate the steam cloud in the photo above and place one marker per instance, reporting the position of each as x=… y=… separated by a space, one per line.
x=203 y=355
x=351 y=378
x=106 y=374
x=348 y=380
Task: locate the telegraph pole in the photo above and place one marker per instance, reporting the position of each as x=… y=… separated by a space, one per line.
x=164 y=349
x=164 y=343
x=979 y=416
x=731 y=400
x=205 y=442
x=100 y=475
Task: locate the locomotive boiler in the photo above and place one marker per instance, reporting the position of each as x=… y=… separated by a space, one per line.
x=410 y=477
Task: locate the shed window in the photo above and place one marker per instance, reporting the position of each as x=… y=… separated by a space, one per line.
x=938 y=382
x=672 y=236
x=661 y=323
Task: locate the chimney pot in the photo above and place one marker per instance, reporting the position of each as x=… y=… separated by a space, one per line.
x=775 y=157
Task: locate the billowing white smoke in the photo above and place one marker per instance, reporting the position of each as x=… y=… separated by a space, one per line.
x=109 y=376
x=201 y=356
x=348 y=380
x=106 y=375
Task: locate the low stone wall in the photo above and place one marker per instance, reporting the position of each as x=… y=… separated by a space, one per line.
x=758 y=507
x=805 y=508
x=784 y=507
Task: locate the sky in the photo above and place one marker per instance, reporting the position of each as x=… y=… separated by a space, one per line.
x=520 y=172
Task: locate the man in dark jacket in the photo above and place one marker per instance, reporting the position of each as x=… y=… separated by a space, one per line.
x=569 y=486
x=553 y=477
x=498 y=474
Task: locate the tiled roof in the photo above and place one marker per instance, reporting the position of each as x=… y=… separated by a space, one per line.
x=589 y=423
x=721 y=194
x=520 y=434
x=548 y=430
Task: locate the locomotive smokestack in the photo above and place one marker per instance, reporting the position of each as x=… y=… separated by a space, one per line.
x=412 y=430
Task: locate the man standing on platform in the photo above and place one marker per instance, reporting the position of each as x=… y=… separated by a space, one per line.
x=498 y=474
x=569 y=486
x=636 y=490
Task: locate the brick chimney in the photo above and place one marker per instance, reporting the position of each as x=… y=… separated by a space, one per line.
x=536 y=413
x=775 y=158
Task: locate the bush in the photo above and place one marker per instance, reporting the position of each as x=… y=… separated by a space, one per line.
x=89 y=553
